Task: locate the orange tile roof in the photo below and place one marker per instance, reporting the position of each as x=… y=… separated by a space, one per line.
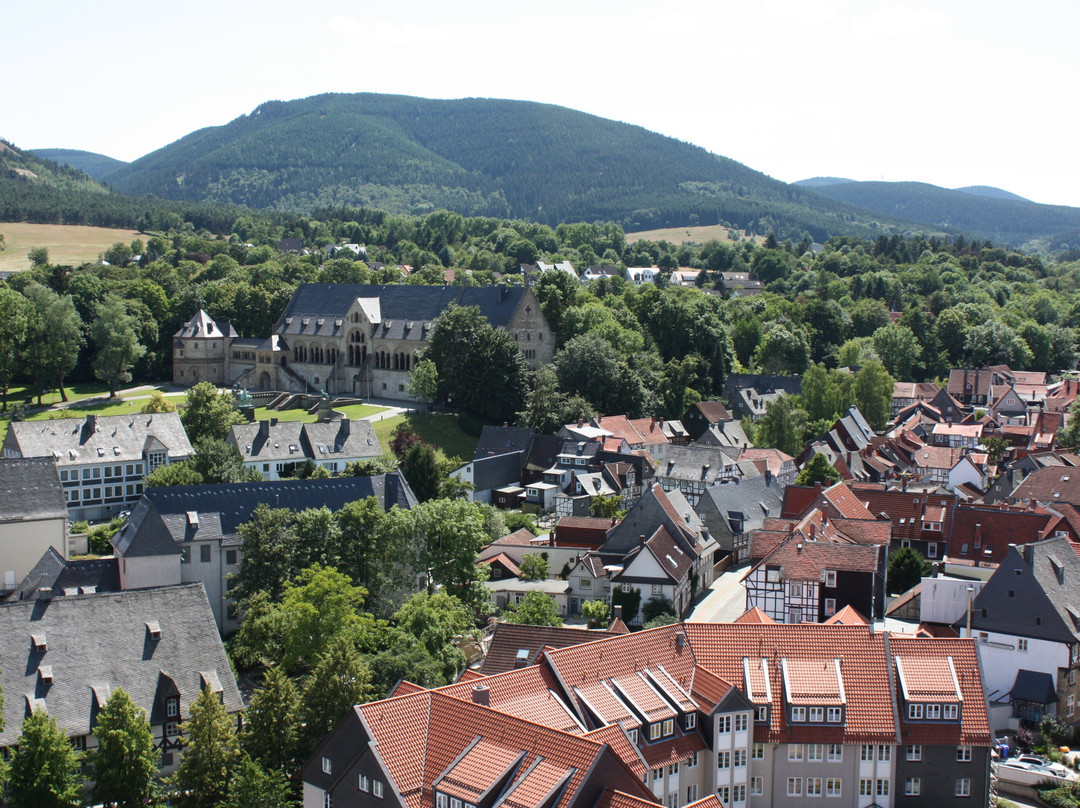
x=651 y=430
x=469 y=675
x=708 y=690
x=755 y=616
x=848 y=616
x=481 y=767
x=677 y=750
x=599 y=699
x=536 y=786
x=927 y=679
x=670 y=688
x=617 y=799
x=813 y=681
x=643 y=696
x=530 y=693
x=619 y=426
x=756 y=683
x=615 y=737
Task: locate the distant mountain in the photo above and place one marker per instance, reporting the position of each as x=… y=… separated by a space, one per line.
x=478 y=157
x=991 y=192
x=96 y=165
x=1002 y=219
x=820 y=182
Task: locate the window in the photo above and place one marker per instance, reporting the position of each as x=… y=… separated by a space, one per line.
x=795 y=751
x=669 y=726
x=914 y=752
x=815 y=752
x=1021 y=645
x=866 y=788
x=963 y=787
x=673 y=801
x=814 y=786
x=794 y=616
x=757 y=751
x=914 y=711
x=836 y=753
x=633 y=736
x=835 y=715
x=740 y=793
x=654 y=732
x=830 y=607
x=798 y=714
x=794 y=786
x=172 y=706
x=365 y=785
x=740 y=758
x=1070 y=704
x=723 y=724
x=691 y=794
x=931 y=550
x=673 y=769
x=933 y=711
x=658 y=774
x=327 y=800
x=230 y=556
x=691 y=721
x=723 y=760
x=795 y=589
x=172 y=729
x=757 y=786
x=326 y=767
x=866 y=752
x=761 y=712
x=377 y=788
x=455 y=802
x=204 y=553
x=741 y=722
x=626 y=587
x=834 y=787
x=951 y=712
x=723 y=793
x=830 y=579
x=963 y=754
x=912 y=786
x=817 y=714
x=185 y=555
x=883 y=788
x=884 y=754
x=691 y=762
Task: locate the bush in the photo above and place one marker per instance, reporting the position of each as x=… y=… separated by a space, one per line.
x=515 y=520
x=656 y=606
x=630 y=602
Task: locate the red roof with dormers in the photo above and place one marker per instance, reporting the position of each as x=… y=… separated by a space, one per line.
x=651 y=431
x=982 y=533
x=615 y=737
x=617 y=799
x=530 y=693
x=620 y=427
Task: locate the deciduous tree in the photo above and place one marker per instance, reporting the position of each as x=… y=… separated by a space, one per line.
x=14 y=321
x=535 y=609
x=124 y=764
x=340 y=680
x=45 y=769
x=534 y=567
x=53 y=339
x=208 y=413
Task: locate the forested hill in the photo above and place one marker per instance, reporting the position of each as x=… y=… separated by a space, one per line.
x=96 y=165
x=477 y=157
x=1000 y=217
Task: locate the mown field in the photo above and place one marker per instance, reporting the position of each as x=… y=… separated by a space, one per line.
x=444 y=432
x=691 y=235
x=67 y=244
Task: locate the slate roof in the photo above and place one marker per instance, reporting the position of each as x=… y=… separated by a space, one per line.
x=497 y=440
x=97 y=643
x=30 y=490
x=293 y=441
x=99 y=438
x=324 y=305
x=705 y=464
x=160 y=519
x=203 y=325
x=1051 y=484
x=55 y=575
x=752 y=498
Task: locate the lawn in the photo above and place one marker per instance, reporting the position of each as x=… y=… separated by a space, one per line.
x=690 y=235
x=441 y=431
x=75 y=392
x=353 y=412
x=67 y=244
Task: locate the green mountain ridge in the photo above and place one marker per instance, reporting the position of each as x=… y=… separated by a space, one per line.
x=92 y=163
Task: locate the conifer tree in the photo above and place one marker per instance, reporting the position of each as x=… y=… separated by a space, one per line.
x=272 y=724
x=45 y=770
x=125 y=762
x=254 y=787
x=210 y=753
x=340 y=680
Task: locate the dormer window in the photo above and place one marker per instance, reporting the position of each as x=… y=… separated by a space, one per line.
x=690 y=721
x=798 y=714
x=172 y=707
x=915 y=711
x=835 y=715
x=45 y=671
x=817 y=715
x=39 y=643
x=761 y=713
x=153 y=630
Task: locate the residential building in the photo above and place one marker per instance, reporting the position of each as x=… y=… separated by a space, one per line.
x=33 y=515
x=102 y=459
x=189 y=533
x=516 y=645
x=703 y=414
x=752 y=714
x=55 y=577
x=276 y=448
x=67 y=655
x=733 y=510
x=657 y=568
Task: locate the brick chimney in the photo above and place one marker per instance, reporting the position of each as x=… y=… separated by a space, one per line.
x=481 y=694
x=617 y=612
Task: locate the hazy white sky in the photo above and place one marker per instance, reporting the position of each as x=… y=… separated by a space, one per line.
x=949 y=92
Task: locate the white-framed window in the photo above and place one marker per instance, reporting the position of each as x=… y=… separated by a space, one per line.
x=673 y=800
x=626 y=587
x=327 y=800
x=933 y=711
x=740 y=793
x=951 y=712
x=669 y=726
x=866 y=752
x=172 y=729
x=757 y=751
x=830 y=607
x=757 y=786
x=761 y=712
x=657 y=589
x=723 y=724
x=794 y=786
x=172 y=706
x=795 y=751
x=363 y=784
x=830 y=579
x=883 y=788
x=963 y=754
x=912 y=786
x=1021 y=644
x=814 y=786
x=723 y=793
x=741 y=722
x=658 y=774
x=377 y=788
x=815 y=752
x=691 y=794
x=817 y=715
x=794 y=589
x=798 y=714
x=327 y=768
x=795 y=616
x=1070 y=705
x=654 y=732
x=931 y=549
x=914 y=711
x=884 y=753
x=692 y=761
x=835 y=715
x=723 y=760
x=834 y=787
x=836 y=753
x=455 y=802
x=739 y=758
x=691 y=720
x=963 y=787
x=914 y=752
x=866 y=787
x=673 y=769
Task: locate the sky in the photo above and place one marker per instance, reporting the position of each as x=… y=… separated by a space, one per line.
x=948 y=92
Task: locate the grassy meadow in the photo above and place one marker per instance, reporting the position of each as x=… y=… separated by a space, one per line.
x=444 y=432
x=691 y=235
x=67 y=244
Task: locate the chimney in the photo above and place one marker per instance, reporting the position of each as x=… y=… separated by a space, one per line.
x=641 y=540
x=273 y=422
x=345 y=427
x=481 y=694
x=813 y=532
x=613 y=521
x=652 y=424
x=798 y=547
x=264 y=430
x=580 y=422
x=617 y=612
x=91 y=423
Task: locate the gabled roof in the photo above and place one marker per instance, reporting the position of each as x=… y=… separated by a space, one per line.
x=712 y=412
x=755 y=616
x=675 y=563
x=56 y=576
x=294 y=441
x=801 y=560
x=202 y=325
x=99 y=642
x=509 y=640
x=160 y=521
x=99 y=438
x=848 y=616
x=1051 y=484
x=497 y=440
x=30 y=490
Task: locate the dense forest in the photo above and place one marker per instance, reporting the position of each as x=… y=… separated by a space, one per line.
x=96 y=165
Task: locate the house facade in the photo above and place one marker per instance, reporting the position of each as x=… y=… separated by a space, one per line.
x=33 y=516
x=275 y=449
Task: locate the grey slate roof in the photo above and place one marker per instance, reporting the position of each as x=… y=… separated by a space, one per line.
x=97 y=643
x=100 y=438
x=496 y=440
x=202 y=325
x=692 y=463
x=752 y=499
x=30 y=490
x=319 y=309
x=293 y=441
x=496 y=471
x=159 y=522
x=1034 y=686
x=56 y=576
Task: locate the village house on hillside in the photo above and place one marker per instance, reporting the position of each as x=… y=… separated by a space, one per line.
x=351 y=339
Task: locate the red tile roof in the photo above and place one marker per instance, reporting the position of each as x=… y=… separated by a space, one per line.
x=615 y=737
x=510 y=638
x=617 y=799
x=672 y=751
x=620 y=427
x=988 y=531
x=755 y=615
x=530 y=693
x=801 y=560
x=651 y=431
x=848 y=616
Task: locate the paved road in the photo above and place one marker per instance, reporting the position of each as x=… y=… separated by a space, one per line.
x=726 y=601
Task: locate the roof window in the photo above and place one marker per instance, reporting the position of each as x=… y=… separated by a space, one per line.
x=39 y=643
x=153 y=628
